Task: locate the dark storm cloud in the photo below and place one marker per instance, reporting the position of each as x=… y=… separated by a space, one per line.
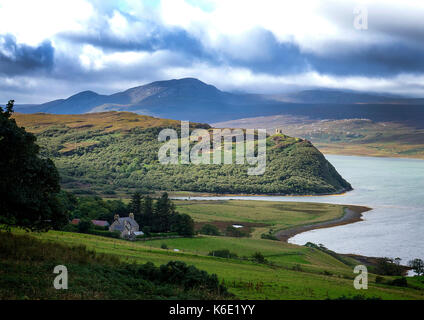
x=156 y=39
x=262 y=52
x=341 y=58
x=386 y=59
x=20 y=58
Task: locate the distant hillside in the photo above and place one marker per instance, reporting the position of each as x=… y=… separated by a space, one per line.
x=194 y=100
x=112 y=152
x=339 y=97
x=361 y=137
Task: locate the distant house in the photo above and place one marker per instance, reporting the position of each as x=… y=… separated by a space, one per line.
x=127 y=226
x=100 y=223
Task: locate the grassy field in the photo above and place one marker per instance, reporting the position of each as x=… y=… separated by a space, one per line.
x=290 y=271
x=317 y=275
x=275 y=215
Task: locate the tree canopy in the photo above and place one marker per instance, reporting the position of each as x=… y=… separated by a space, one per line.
x=29 y=184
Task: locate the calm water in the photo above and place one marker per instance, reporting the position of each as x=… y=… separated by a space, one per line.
x=394 y=188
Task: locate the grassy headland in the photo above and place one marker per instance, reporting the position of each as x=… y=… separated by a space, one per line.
x=115 y=152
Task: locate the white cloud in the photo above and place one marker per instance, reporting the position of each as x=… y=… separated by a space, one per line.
x=92 y=58
x=31 y=22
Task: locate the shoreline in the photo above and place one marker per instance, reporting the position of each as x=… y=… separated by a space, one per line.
x=351 y=214
x=194 y=194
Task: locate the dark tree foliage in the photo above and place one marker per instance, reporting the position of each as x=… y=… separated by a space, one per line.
x=135 y=204
x=147 y=210
x=231 y=231
x=164 y=209
x=183 y=224
x=128 y=160
x=417 y=265
x=85 y=226
x=223 y=253
x=258 y=257
x=155 y=216
x=209 y=229
x=387 y=266
x=162 y=217
x=98 y=209
x=29 y=185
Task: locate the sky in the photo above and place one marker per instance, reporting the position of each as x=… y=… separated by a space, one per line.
x=52 y=49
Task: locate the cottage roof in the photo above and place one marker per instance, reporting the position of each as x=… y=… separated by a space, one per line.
x=131 y=221
x=101 y=223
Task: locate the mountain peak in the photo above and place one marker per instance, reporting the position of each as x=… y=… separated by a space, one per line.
x=84 y=94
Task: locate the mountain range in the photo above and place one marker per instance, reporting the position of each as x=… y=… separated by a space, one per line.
x=193 y=100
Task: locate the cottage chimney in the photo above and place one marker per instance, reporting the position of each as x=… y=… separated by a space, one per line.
x=131 y=215
x=116 y=217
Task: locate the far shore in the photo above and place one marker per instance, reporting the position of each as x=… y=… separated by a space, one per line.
x=352 y=214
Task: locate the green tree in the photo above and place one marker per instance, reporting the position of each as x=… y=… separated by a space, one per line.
x=259 y=257
x=163 y=211
x=210 y=229
x=417 y=265
x=85 y=225
x=147 y=211
x=183 y=224
x=29 y=185
x=135 y=203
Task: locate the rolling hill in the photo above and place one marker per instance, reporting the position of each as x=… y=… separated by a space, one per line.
x=112 y=152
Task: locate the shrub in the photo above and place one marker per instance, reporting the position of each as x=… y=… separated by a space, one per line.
x=399 y=282
x=84 y=226
x=146 y=230
x=386 y=267
x=268 y=236
x=224 y=253
x=177 y=272
x=209 y=229
x=259 y=257
x=164 y=246
x=70 y=228
x=379 y=279
x=104 y=233
x=297 y=267
x=230 y=231
x=105 y=228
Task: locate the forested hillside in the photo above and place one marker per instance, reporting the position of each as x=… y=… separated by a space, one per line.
x=112 y=152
